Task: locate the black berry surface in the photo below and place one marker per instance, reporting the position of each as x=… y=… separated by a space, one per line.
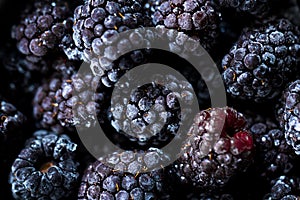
x=45 y=168
x=63 y=102
x=42 y=28
x=289 y=116
x=98 y=23
x=198 y=19
x=262 y=61
x=123 y=176
x=214 y=153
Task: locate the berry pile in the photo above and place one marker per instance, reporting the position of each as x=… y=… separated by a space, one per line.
x=68 y=76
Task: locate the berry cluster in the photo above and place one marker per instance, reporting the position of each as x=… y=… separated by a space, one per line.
x=67 y=69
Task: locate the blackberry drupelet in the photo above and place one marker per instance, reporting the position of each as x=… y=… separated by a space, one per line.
x=97 y=22
x=259 y=8
x=152 y=5
x=284 y=188
x=262 y=61
x=150 y=115
x=126 y=62
x=219 y=146
x=45 y=168
x=198 y=19
x=64 y=102
x=288 y=115
x=123 y=176
x=273 y=155
x=43 y=28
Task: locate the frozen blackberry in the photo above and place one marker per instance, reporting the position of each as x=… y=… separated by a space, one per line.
x=198 y=19
x=258 y=8
x=151 y=114
x=289 y=116
x=126 y=62
x=64 y=102
x=10 y=120
x=273 y=155
x=262 y=61
x=45 y=168
x=99 y=22
x=123 y=176
x=119 y=53
x=183 y=49
x=219 y=146
x=42 y=28
x=284 y=188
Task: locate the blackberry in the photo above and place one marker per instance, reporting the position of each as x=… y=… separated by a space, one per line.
x=215 y=151
x=289 y=116
x=259 y=8
x=42 y=28
x=122 y=176
x=63 y=102
x=198 y=19
x=284 y=188
x=126 y=62
x=152 y=5
x=45 y=168
x=11 y=138
x=262 y=61
x=273 y=155
x=182 y=48
x=97 y=22
x=10 y=120
x=151 y=114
